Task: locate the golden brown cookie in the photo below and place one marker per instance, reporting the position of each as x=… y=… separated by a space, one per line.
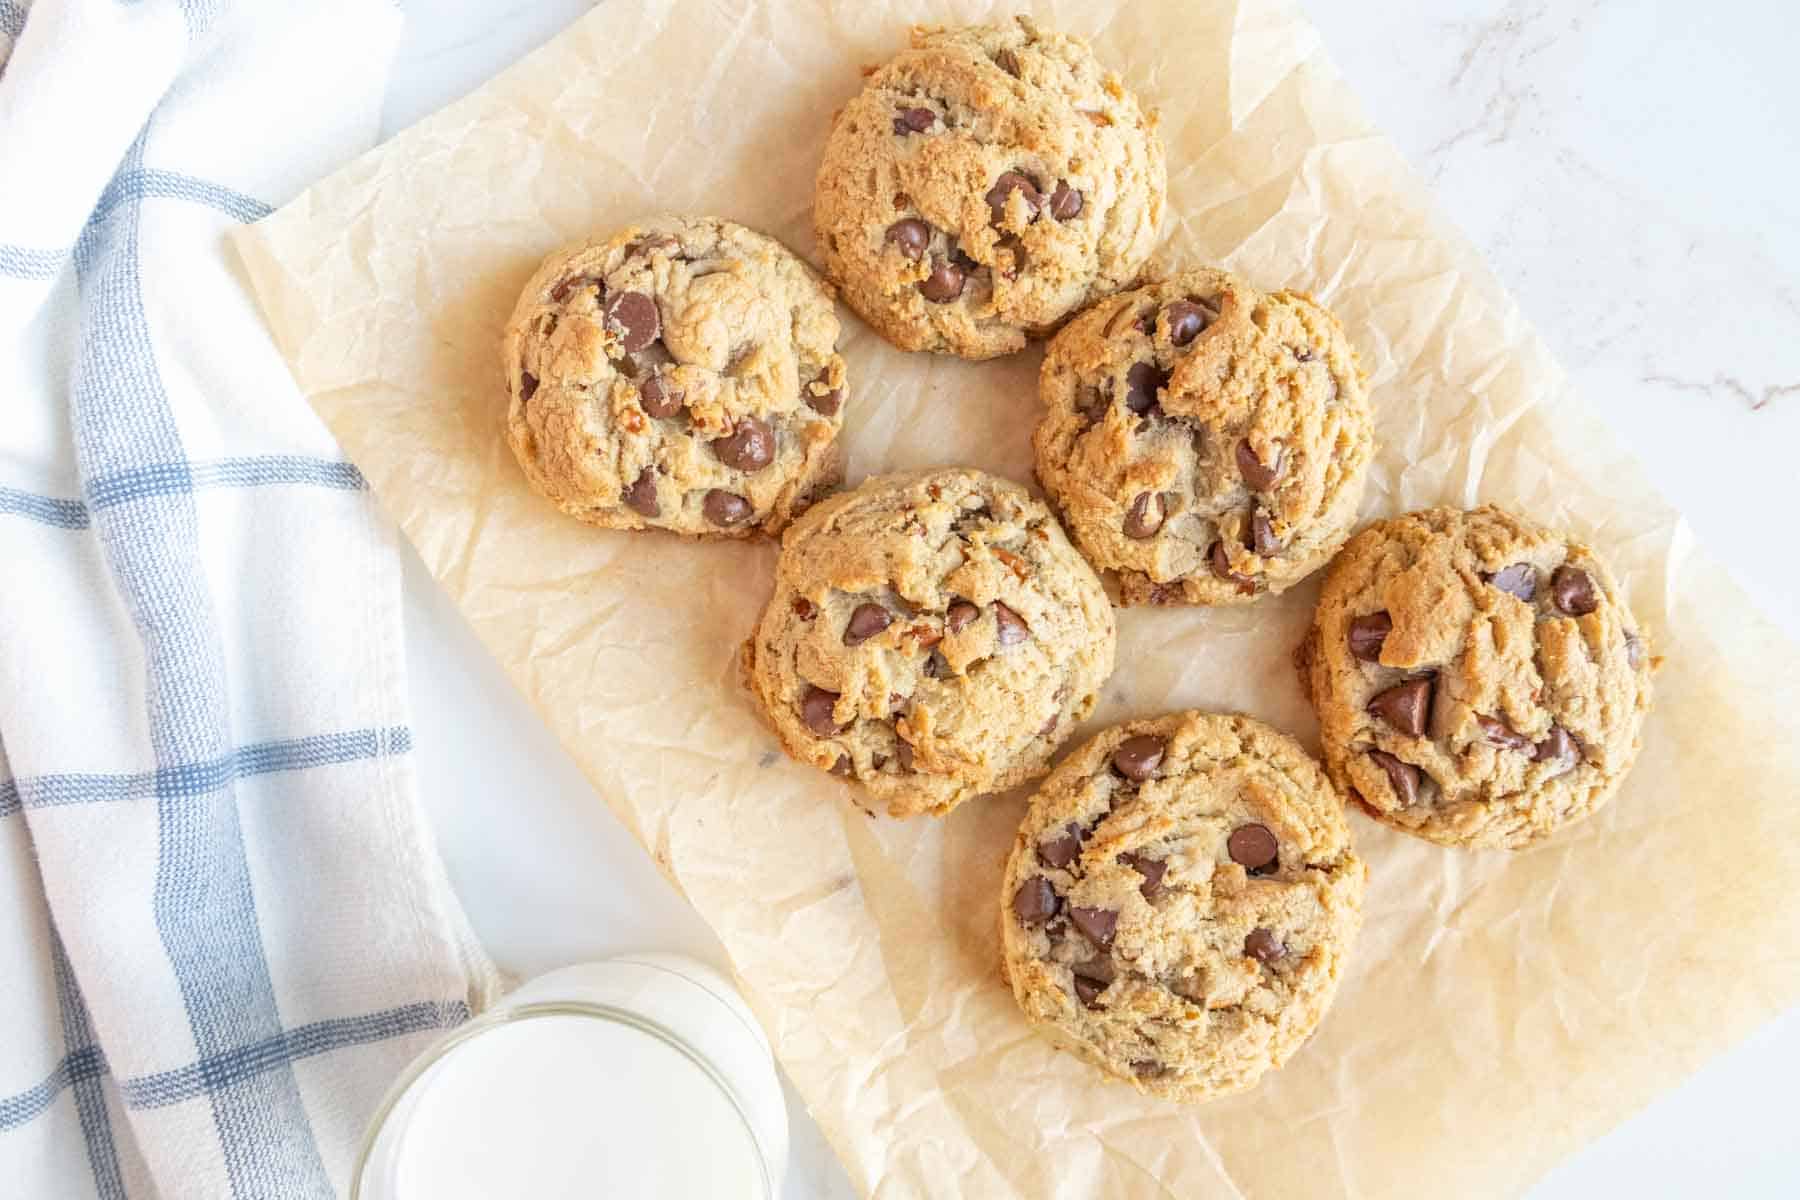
x=1205 y=442
x=932 y=636
x=1478 y=677
x=681 y=374
x=984 y=185
x=1180 y=901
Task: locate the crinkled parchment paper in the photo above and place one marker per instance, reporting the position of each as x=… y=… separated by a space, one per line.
x=1501 y=1008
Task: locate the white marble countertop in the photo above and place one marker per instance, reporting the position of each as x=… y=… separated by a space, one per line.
x=1631 y=169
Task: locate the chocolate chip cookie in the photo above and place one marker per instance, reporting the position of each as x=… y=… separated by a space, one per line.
x=681 y=374
x=1206 y=443
x=1479 y=679
x=984 y=185
x=1180 y=901
x=932 y=636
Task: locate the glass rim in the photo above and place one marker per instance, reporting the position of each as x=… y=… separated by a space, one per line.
x=502 y=1015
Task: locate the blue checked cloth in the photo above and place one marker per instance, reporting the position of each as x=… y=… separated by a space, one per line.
x=224 y=927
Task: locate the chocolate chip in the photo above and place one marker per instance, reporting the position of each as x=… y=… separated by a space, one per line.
x=1138 y=757
x=805 y=609
x=1559 y=747
x=528 y=385
x=1219 y=559
x=1006 y=185
x=562 y=291
x=633 y=317
x=1093 y=977
x=1572 y=591
x=1501 y=734
x=944 y=284
x=646 y=246
x=1367 y=633
x=1403 y=777
x=1262 y=535
x=1634 y=650
x=1065 y=201
x=1260 y=477
x=1405 y=706
x=1097 y=925
x=1145 y=517
x=1009 y=627
x=1254 y=848
x=1152 y=869
x=816 y=711
x=1062 y=849
x=903 y=752
x=1264 y=946
x=1088 y=991
x=1091 y=404
x=1148 y=1068
x=913 y=120
x=640 y=497
x=841 y=768
x=961 y=258
x=911 y=236
x=659 y=396
x=826 y=404
x=936 y=666
x=959 y=616
x=1141 y=385
x=1185 y=320
x=1035 y=901
x=1519 y=580
x=1007 y=61
x=866 y=621
x=749 y=447
x=725 y=508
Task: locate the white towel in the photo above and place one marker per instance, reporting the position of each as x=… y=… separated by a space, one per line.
x=223 y=925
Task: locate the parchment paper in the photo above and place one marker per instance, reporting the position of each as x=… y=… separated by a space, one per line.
x=1501 y=1008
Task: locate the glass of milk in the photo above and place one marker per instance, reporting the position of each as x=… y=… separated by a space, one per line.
x=644 y=1076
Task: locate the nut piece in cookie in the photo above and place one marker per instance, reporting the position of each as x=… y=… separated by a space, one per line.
x=931 y=636
x=1180 y=901
x=1207 y=443
x=681 y=374
x=1480 y=680
x=986 y=183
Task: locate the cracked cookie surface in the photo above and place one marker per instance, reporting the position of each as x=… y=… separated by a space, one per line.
x=986 y=183
x=1479 y=678
x=1206 y=442
x=931 y=636
x=1179 y=902
x=681 y=374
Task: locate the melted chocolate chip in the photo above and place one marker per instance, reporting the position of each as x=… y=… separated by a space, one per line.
x=1572 y=591
x=1088 y=991
x=913 y=120
x=633 y=317
x=1138 y=757
x=659 y=396
x=1262 y=535
x=1403 y=777
x=960 y=614
x=1092 y=977
x=911 y=236
x=816 y=711
x=826 y=404
x=1035 y=901
x=1152 y=869
x=1065 y=201
x=1405 y=706
x=640 y=497
x=1145 y=517
x=725 y=509
x=1560 y=748
x=1185 y=320
x=1097 y=925
x=1005 y=186
x=805 y=609
x=1219 y=559
x=841 y=768
x=1254 y=848
x=1258 y=475
x=1367 y=633
x=1009 y=627
x=1142 y=382
x=562 y=291
x=749 y=447
x=1264 y=946
x=936 y=666
x=944 y=284
x=903 y=753
x=1519 y=580
x=1007 y=60
x=1062 y=849
x=528 y=385
x=1500 y=734
x=1148 y=1068
x=866 y=621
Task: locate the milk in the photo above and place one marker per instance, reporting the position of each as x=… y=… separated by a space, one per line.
x=652 y=1096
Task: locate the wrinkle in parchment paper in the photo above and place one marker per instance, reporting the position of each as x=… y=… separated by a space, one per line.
x=1500 y=1009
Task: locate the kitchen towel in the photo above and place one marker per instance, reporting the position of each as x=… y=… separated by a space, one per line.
x=224 y=927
